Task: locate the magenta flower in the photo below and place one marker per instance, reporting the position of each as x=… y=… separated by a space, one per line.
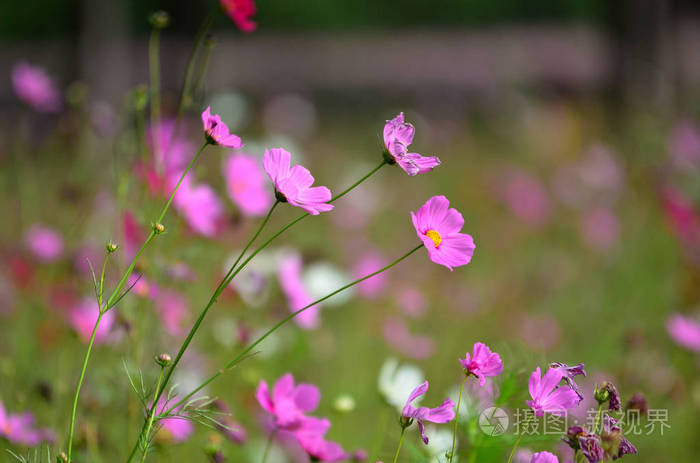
x=684 y=331
x=441 y=414
x=200 y=206
x=288 y=403
x=216 y=132
x=33 y=86
x=45 y=243
x=570 y=372
x=526 y=198
x=240 y=12
x=293 y=185
x=246 y=184
x=398 y=135
x=310 y=436
x=438 y=227
x=544 y=457
x=548 y=396
x=482 y=363
x=83 y=316
x=175 y=428
x=172 y=311
x=19 y=429
x=369 y=263
x=289 y=274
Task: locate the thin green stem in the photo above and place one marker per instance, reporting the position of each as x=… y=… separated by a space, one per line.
x=151 y=418
x=398 y=448
x=459 y=402
x=154 y=81
x=199 y=39
x=102 y=281
x=80 y=385
x=268 y=446
x=597 y=418
x=520 y=436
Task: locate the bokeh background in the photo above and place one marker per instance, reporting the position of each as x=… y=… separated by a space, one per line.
x=569 y=139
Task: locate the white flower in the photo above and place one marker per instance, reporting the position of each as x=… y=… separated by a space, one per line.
x=323 y=278
x=396 y=382
x=440 y=443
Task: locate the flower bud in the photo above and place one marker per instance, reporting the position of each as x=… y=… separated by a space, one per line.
x=163 y=360
x=159 y=20
x=62 y=458
x=344 y=403
x=140 y=97
x=158 y=228
x=638 y=402
x=111 y=247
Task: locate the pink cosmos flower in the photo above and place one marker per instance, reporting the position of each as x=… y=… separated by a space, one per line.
x=526 y=198
x=548 y=396
x=176 y=428
x=83 y=316
x=133 y=236
x=684 y=331
x=200 y=206
x=240 y=12
x=482 y=363
x=293 y=185
x=368 y=263
x=169 y=157
x=246 y=185
x=599 y=228
x=685 y=221
x=684 y=146
x=288 y=403
x=310 y=436
x=216 y=132
x=438 y=227
x=441 y=414
x=19 y=429
x=33 y=86
x=398 y=135
x=400 y=338
x=45 y=243
x=172 y=311
x=544 y=457
x=289 y=274
x=411 y=301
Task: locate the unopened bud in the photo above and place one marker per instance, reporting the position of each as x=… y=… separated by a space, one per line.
x=159 y=19
x=111 y=247
x=163 y=360
x=158 y=228
x=62 y=458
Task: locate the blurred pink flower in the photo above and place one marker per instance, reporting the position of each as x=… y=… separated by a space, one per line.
x=443 y=413
x=685 y=221
x=684 y=146
x=288 y=403
x=133 y=237
x=33 y=86
x=217 y=133
x=176 y=428
x=482 y=363
x=601 y=170
x=45 y=243
x=526 y=198
x=240 y=12
x=310 y=436
x=228 y=426
x=200 y=206
x=523 y=455
x=548 y=396
x=438 y=227
x=84 y=254
x=369 y=263
x=289 y=275
x=599 y=228
x=246 y=184
x=398 y=336
x=169 y=157
x=539 y=331
x=684 y=331
x=142 y=287
x=172 y=310
x=82 y=318
x=398 y=135
x=411 y=301
x=294 y=184
x=19 y=429
x=544 y=457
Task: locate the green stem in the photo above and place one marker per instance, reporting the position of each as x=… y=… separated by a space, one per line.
x=199 y=39
x=151 y=418
x=268 y=445
x=459 y=402
x=398 y=448
x=520 y=436
x=597 y=418
x=80 y=384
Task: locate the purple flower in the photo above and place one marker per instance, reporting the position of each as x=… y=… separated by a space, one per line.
x=45 y=243
x=19 y=429
x=614 y=443
x=200 y=206
x=310 y=436
x=482 y=363
x=607 y=392
x=293 y=184
x=441 y=414
x=398 y=135
x=33 y=86
x=548 y=396
x=544 y=457
x=570 y=372
x=590 y=444
x=216 y=132
x=246 y=184
x=288 y=403
x=684 y=331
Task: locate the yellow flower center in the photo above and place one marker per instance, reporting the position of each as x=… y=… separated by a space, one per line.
x=435 y=236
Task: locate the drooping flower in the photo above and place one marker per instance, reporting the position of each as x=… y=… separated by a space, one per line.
x=394 y=381
x=548 y=396
x=200 y=206
x=19 y=428
x=684 y=331
x=589 y=443
x=293 y=184
x=614 y=443
x=544 y=457
x=441 y=414
x=570 y=372
x=245 y=183
x=217 y=133
x=438 y=227
x=33 y=86
x=83 y=316
x=482 y=363
x=45 y=243
x=293 y=287
x=398 y=135
x=607 y=392
x=310 y=436
x=288 y=402
x=240 y=12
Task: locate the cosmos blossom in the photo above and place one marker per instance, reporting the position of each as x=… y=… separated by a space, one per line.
x=544 y=457
x=176 y=428
x=293 y=184
x=33 y=86
x=45 y=243
x=246 y=186
x=288 y=403
x=398 y=135
x=438 y=227
x=548 y=396
x=19 y=429
x=82 y=318
x=310 y=436
x=684 y=331
x=441 y=414
x=200 y=206
x=570 y=372
x=482 y=363
x=296 y=292
x=369 y=263
x=240 y=12
x=217 y=133
x=172 y=310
